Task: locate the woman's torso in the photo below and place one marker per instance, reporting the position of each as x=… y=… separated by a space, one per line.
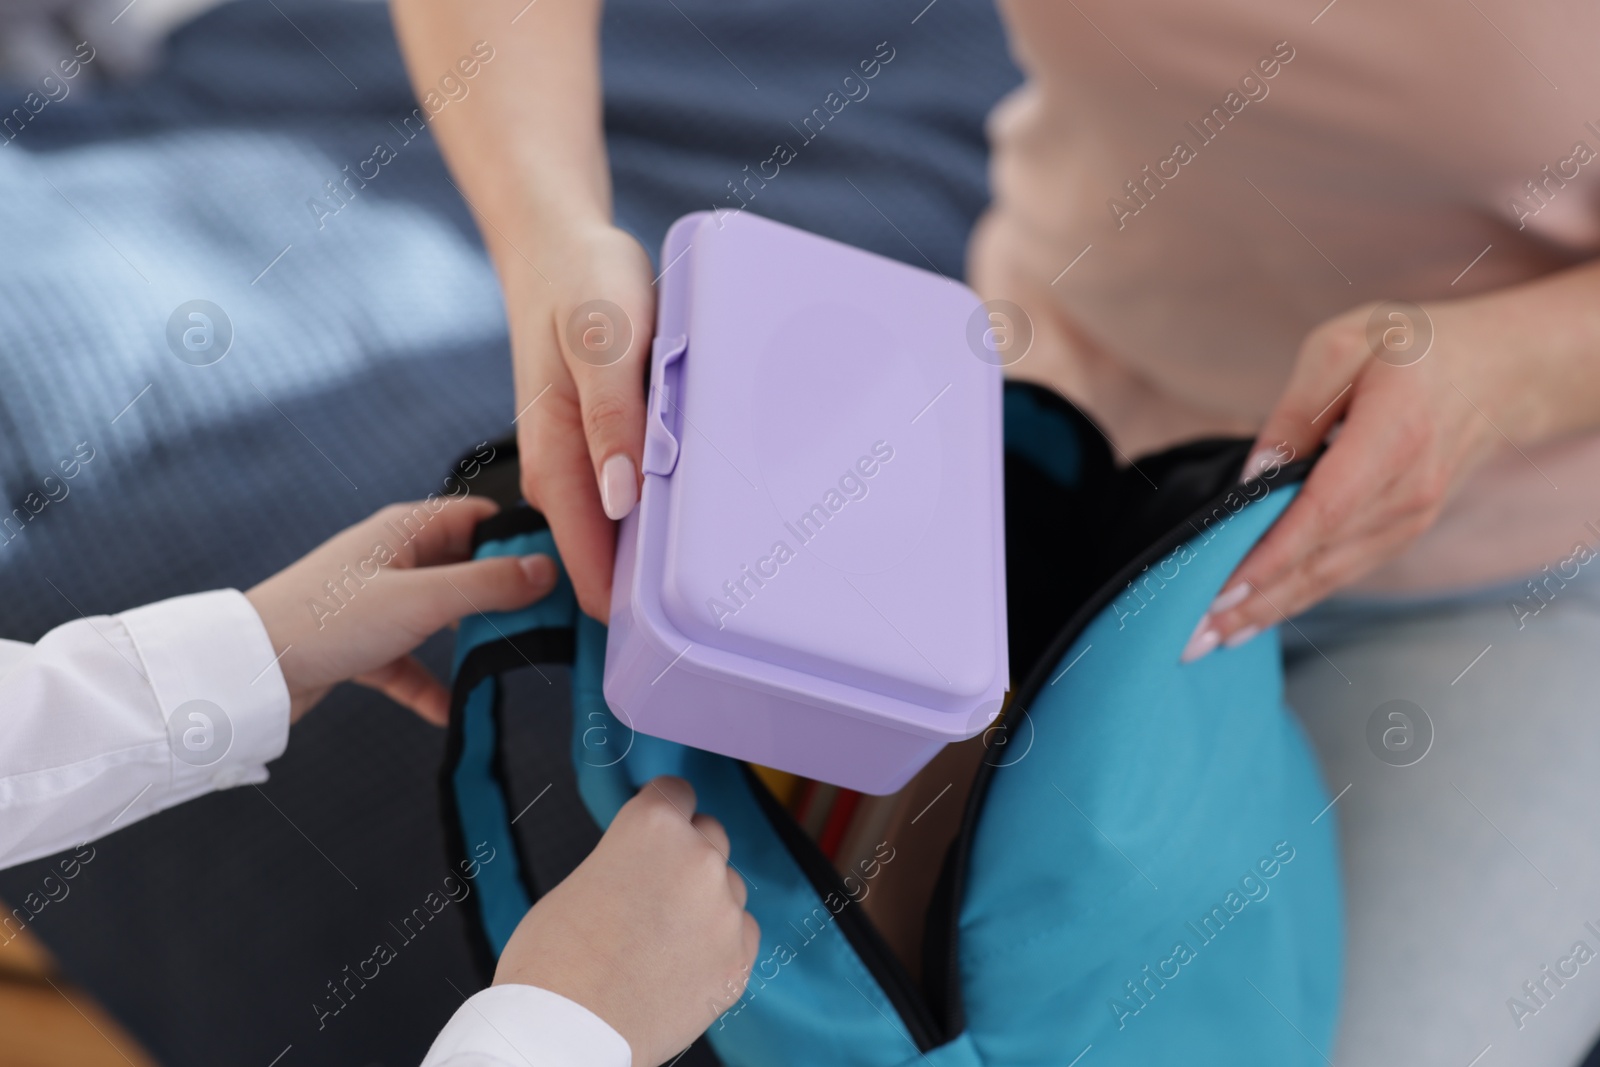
x=1384 y=157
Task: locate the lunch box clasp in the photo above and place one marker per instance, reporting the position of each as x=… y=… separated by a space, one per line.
x=660 y=438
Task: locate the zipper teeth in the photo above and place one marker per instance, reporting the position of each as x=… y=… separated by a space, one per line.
x=961 y=848
x=864 y=938
x=1092 y=607
x=904 y=994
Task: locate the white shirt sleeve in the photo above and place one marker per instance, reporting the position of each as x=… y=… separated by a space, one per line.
x=525 y=1026
x=109 y=719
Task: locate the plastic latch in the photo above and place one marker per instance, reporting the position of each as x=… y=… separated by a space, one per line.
x=666 y=373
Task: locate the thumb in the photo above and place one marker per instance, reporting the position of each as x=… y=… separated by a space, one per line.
x=500 y=583
x=606 y=346
x=1318 y=393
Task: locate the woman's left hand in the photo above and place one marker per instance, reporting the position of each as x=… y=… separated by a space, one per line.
x=1422 y=397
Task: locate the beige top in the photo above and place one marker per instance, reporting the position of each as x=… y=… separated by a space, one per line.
x=1235 y=172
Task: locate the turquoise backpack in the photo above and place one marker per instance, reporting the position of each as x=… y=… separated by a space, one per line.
x=1146 y=871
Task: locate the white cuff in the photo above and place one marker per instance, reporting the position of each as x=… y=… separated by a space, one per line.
x=217 y=684
x=518 y=1025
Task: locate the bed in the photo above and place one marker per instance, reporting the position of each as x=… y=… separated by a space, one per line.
x=367 y=350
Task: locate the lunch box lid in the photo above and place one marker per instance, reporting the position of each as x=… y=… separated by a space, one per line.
x=823 y=470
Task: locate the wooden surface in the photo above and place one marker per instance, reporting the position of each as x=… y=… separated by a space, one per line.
x=45 y=1021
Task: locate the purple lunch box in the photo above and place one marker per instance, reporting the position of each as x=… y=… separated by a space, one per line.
x=814 y=578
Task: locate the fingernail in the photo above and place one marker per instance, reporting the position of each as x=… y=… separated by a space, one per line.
x=539 y=568
x=1256 y=465
x=1241 y=635
x=1230 y=597
x=1204 y=639
x=619 y=486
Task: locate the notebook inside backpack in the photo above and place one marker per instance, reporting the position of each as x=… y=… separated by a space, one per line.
x=889 y=849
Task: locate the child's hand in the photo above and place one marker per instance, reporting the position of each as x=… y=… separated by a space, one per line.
x=355 y=607
x=650 y=932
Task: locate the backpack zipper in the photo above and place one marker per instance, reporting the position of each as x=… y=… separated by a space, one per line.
x=922 y=1021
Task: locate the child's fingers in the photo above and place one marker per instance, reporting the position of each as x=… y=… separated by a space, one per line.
x=408 y=683
x=671 y=791
x=736 y=886
x=752 y=940
x=425 y=533
x=437 y=596
x=714 y=834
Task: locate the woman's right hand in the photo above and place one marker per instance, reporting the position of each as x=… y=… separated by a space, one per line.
x=581 y=325
x=523 y=133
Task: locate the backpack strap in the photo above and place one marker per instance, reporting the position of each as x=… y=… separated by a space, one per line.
x=477 y=815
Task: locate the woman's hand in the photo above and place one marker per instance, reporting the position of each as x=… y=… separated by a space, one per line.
x=526 y=144
x=355 y=607
x=580 y=343
x=1414 y=420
